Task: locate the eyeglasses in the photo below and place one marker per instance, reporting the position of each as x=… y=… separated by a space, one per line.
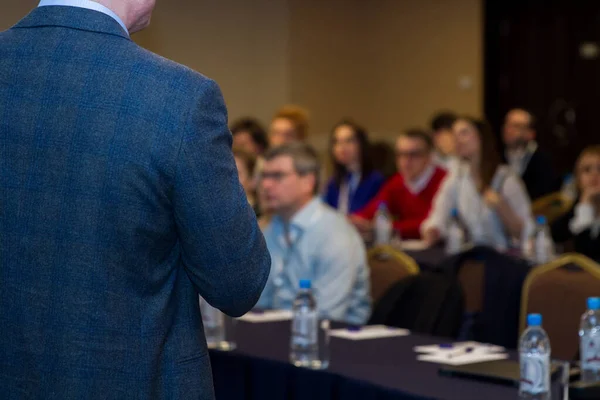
x=411 y=154
x=276 y=176
x=344 y=141
x=516 y=125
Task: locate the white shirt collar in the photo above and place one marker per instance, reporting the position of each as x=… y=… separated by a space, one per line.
x=88 y=4
x=519 y=158
x=421 y=182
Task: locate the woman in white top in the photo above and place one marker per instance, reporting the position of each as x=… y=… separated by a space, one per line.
x=490 y=200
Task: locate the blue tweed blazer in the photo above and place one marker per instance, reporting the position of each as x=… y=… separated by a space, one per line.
x=119 y=204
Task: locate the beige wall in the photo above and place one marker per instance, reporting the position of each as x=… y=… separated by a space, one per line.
x=11 y=11
x=423 y=48
x=388 y=63
x=242 y=44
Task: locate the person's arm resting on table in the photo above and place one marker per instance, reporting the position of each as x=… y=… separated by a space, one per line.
x=336 y=276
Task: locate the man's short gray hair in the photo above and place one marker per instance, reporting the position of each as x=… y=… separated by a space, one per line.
x=304 y=157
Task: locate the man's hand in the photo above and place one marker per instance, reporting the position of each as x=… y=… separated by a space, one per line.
x=364 y=227
x=431 y=236
x=591 y=196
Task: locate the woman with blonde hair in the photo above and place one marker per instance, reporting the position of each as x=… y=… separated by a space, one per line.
x=289 y=124
x=581 y=225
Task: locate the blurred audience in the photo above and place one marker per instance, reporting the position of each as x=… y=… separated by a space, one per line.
x=245 y=163
x=526 y=159
x=490 y=199
x=444 y=141
x=309 y=240
x=581 y=225
x=409 y=194
x=250 y=136
x=354 y=181
x=289 y=124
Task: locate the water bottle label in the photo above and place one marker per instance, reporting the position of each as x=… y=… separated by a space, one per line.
x=455 y=241
x=590 y=352
x=305 y=329
x=535 y=373
x=383 y=231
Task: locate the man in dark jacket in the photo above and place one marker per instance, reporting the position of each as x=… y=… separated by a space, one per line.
x=119 y=204
x=524 y=156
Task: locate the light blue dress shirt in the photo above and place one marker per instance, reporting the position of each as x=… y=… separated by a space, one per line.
x=90 y=5
x=326 y=249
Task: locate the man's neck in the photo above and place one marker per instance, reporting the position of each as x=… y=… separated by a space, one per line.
x=519 y=148
x=120 y=9
x=288 y=215
x=420 y=182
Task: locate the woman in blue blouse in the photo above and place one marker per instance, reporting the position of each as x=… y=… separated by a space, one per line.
x=354 y=181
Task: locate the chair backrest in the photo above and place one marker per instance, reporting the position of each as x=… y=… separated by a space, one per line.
x=388 y=266
x=558 y=291
x=427 y=303
x=471 y=274
x=552 y=206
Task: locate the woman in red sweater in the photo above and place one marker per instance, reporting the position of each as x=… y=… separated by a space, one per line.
x=408 y=194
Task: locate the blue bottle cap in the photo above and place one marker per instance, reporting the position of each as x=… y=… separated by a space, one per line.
x=454 y=213
x=593 y=303
x=382 y=206
x=305 y=284
x=541 y=220
x=534 y=320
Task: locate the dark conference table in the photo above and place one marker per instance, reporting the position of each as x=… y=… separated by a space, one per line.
x=381 y=369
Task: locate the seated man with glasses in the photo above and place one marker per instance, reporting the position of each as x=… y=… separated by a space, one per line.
x=409 y=194
x=309 y=240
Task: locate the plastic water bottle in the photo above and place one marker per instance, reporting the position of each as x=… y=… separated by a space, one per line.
x=304 y=347
x=540 y=247
x=383 y=225
x=589 y=334
x=214 y=324
x=534 y=357
x=569 y=188
x=456 y=235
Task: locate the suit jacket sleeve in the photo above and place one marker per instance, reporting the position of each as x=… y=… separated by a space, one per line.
x=540 y=177
x=222 y=248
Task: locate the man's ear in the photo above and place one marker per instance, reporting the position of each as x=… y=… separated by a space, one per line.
x=309 y=183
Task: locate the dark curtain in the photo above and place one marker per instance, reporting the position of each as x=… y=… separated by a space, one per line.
x=543 y=55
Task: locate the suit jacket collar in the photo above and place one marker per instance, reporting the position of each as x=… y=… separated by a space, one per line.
x=74 y=18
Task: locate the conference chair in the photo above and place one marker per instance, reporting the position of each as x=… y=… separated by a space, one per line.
x=552 y=206
x=471 y=274
x=388 y=266
x=558 y=291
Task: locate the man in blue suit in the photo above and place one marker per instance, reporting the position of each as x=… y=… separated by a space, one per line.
x=119 y=204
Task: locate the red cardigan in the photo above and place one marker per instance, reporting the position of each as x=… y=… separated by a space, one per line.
x=409 y=210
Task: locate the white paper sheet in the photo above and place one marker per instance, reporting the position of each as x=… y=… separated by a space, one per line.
x=467 y=358
x=267 y=316
x=369 y=332
x=435 y=348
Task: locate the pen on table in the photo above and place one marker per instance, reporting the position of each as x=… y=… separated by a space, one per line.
x=460 y=352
